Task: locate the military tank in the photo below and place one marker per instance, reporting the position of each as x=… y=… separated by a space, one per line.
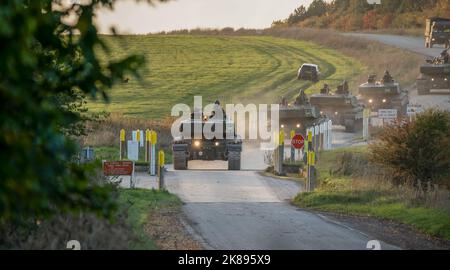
x=435 y=74
x=384 y=94
x=341 y=107
x=190 y=147
x=300 y=115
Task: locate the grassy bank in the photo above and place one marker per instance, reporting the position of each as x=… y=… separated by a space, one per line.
x=141 y=204
x=345 y=188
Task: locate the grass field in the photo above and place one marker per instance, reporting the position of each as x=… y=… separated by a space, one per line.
x=233 y=69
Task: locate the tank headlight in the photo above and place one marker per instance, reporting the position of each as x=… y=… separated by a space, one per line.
x=321 y=112
x=370 y=101
x=282 y=126
x=384 y=100
x=432 y=79
x=445 y=79
x=336 y=113
x=298 y=125
x=217 y=143
x=197 y=143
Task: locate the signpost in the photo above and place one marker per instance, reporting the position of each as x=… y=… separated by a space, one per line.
x=387 y=113
x=117 y=168
x=298 y=142
x=133 y=150
x=413 y=110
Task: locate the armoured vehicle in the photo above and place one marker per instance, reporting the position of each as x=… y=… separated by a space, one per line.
x=341 y=107
x=206 y=146
x=384 y=94
x=437 y=31
x=309 y=72
x=435 y=74
x=300 y=115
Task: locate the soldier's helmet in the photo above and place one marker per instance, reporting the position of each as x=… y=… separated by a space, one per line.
x=217 y=102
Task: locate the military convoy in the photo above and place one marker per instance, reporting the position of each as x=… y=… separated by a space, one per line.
x=300 y=115
x=435 y=74
x=341 y=107
x=437 y=31
x=384 y=94
x=227 y=148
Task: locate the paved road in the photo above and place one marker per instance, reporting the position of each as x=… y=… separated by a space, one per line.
x=245 y=210
x=413 y=44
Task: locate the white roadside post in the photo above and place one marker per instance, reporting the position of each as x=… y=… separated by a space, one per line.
x=330 y=135
x=366 y=117
x=133 y=155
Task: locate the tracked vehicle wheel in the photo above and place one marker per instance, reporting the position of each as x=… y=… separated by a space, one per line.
x=234 y=161
x=180 y=161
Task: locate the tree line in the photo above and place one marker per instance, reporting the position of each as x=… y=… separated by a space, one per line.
x=359 y=14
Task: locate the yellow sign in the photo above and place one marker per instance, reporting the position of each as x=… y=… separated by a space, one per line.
x=310 y=134
x=148 y=136
x=138 y=135
x=305 y=148
x=122 y=135
x=292 y=134
x=161 y=158
x=154 y=137
x=366 y=113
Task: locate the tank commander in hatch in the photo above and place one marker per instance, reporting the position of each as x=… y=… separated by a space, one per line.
x=218 y=107
x=325 y=90
x=302 y=98
x=387 y=78
x=343 y=89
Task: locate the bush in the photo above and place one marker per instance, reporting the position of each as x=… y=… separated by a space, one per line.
x=418 y=151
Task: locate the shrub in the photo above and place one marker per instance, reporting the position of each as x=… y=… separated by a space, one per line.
x=418 y=151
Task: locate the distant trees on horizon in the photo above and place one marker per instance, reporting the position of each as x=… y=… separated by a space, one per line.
x=359 y=14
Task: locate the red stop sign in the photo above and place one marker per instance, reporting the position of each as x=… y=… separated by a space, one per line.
x=298 y=142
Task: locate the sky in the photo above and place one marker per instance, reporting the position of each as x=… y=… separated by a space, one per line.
x=130 y=17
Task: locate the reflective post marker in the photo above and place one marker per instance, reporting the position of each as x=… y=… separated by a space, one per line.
x=161 y=162
x=154 y=138
x=281 y=152
x=147 y=145
x=310 y=161
x=122 y=144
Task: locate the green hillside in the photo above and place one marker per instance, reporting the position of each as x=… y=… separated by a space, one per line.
x=234 y=69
